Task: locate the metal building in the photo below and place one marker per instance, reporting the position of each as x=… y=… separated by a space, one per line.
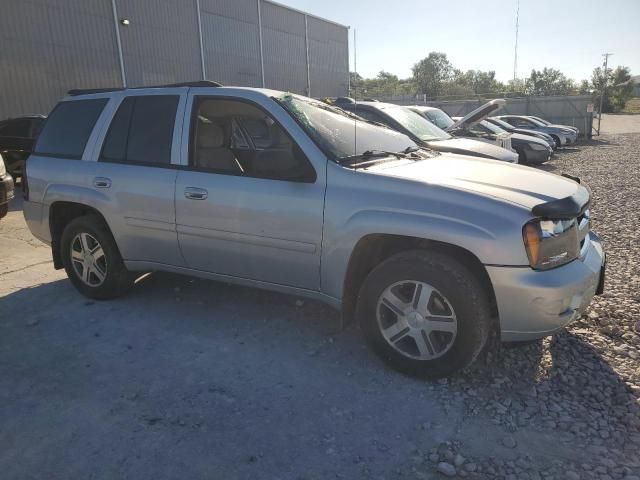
x=50 y=46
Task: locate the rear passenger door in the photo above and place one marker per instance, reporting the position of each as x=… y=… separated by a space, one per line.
x=250 y=200
x=136 y=168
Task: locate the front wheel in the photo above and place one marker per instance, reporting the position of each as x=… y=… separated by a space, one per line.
x=92 y=260
x=424 y=313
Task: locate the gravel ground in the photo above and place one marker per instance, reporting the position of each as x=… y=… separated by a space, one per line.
x=187 y=378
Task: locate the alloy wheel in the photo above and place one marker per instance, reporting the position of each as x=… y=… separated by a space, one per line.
x=416 y=320
x=88 y=259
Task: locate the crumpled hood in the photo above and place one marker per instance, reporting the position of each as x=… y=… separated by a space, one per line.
x=467 y=146
x=479 y=114
x=524 y=186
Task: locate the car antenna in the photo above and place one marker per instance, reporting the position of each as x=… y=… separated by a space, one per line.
x=355 y=98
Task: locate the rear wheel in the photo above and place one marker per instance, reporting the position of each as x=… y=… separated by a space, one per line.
x=92 y=260
x=424 y=313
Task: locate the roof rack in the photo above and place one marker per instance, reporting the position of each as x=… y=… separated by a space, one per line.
x=196 y=83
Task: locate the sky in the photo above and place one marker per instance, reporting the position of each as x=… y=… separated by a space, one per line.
x=569 y=35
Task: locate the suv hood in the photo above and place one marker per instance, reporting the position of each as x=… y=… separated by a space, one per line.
x=512 y=183
x=474 y=148
x=479 y=114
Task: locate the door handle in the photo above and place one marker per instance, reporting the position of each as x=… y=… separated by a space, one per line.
x=193 y=193
x=101 y=182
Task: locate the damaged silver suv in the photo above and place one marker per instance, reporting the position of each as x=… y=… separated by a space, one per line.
x=429 y=251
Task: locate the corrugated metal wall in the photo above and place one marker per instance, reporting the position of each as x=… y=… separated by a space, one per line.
x=161 y=44
x=50 y=46
x=283 y=30
x=328 y=64
x=231 y=41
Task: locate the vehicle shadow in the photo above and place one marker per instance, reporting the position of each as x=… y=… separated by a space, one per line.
x=567 y=150
x=547 y=167
x=179 y=349
x=597 y=141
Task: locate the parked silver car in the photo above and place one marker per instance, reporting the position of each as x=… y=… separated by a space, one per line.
x=533 y=133
x=430 y=252
x=473 y=125
x=548 y=123
x=562 y=135
x=530 y=150
x=423 y=132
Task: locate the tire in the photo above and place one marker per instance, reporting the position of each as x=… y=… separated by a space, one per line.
x=456 y=292
x=4 y=210
x=83 y=234
x=522 y=157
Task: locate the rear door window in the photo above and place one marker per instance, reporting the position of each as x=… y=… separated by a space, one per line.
x=67 y=130
x=141 y=131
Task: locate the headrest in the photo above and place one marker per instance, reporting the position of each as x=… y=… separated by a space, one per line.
x=210 y=135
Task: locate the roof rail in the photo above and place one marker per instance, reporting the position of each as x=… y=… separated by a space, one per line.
x=196 y=83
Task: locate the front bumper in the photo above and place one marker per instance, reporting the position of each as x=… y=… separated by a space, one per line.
x=538 y=156
x=6 y=189
x=533 y=304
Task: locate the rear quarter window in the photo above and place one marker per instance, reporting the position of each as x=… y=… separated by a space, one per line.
x=68 y=127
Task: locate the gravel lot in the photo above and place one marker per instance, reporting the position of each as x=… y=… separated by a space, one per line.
x=193 y=379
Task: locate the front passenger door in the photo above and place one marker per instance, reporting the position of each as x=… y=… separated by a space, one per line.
x=250 y=204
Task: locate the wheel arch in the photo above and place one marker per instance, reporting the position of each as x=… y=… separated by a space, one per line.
x=61 y=213
x=372 y=249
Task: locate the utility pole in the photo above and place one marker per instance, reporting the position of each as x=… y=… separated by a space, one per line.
x=604 y=87
x=515 y=56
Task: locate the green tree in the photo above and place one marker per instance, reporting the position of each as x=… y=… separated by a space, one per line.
x=618 y=88
x=622 y=89
x=432 y=73
x=478 y=82
x=548 y=81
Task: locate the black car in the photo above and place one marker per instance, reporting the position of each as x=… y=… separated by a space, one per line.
x=17 y=137
x=6 y=189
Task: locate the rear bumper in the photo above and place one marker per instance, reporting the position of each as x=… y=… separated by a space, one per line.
x=37 y=221
x=6 y=189
x=533 y=304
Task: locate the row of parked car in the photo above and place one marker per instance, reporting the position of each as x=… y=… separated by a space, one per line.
x=512 y=138
x=430 y=250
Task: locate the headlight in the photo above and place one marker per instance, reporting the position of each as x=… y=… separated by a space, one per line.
x=551 y=243
x=538 y=146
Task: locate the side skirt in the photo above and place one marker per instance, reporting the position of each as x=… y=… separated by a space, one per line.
x=143 y=266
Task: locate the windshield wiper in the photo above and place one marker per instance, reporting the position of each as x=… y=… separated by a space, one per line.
x=371 y=154
x=411 y=149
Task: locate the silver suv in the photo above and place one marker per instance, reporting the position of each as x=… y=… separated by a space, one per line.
x=430 y=252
